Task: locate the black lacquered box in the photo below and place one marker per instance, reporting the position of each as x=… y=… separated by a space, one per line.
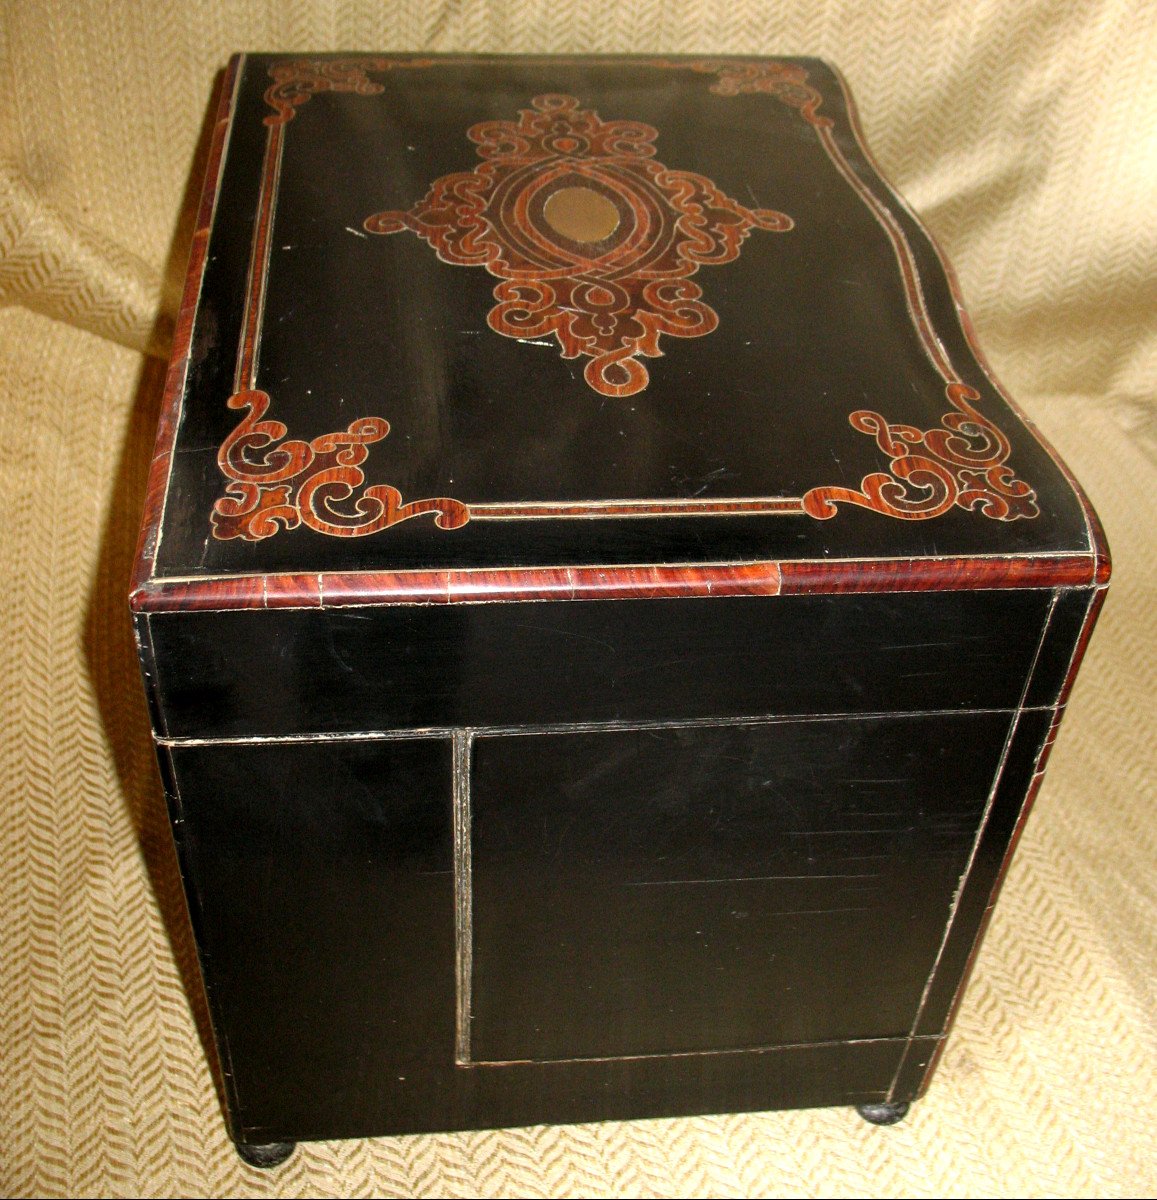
x=603 y=623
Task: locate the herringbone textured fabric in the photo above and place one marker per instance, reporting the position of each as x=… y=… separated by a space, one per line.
x=1026 y=135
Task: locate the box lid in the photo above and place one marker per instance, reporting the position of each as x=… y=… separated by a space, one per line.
x=486 y=327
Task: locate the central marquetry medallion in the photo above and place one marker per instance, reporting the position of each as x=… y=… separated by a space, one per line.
x=593 y=240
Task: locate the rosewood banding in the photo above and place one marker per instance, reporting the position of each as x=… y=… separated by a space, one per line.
x=617 y=583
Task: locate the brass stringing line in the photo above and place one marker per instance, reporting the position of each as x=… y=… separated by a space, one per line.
x=462 y=740
x=906 y=260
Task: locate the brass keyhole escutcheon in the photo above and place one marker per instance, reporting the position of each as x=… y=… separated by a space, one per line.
x=581 y=214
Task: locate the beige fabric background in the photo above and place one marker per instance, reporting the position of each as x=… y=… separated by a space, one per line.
x=1026 y=135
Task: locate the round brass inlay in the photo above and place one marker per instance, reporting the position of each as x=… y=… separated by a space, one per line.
x=581 y=214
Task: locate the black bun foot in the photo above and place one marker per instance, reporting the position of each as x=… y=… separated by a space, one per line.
x=883 y=1114
x=271 y=1154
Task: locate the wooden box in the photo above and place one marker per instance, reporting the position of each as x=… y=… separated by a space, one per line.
x=604 y=625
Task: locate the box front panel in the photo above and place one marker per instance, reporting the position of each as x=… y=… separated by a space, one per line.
x=576 y=926
x=664 y=880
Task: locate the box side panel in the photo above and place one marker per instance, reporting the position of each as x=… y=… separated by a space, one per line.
x=300 y=672
x=1015 y=777
x=1069 y=619
x=146 y=659
x=385 y=935
x=224 y=1076
x=1020 y=781
x=1012 y=801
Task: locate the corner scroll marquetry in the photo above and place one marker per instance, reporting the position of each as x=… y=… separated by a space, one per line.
x=785 y=81
x=963 y=464
x=277 y=484
x=295 y=82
